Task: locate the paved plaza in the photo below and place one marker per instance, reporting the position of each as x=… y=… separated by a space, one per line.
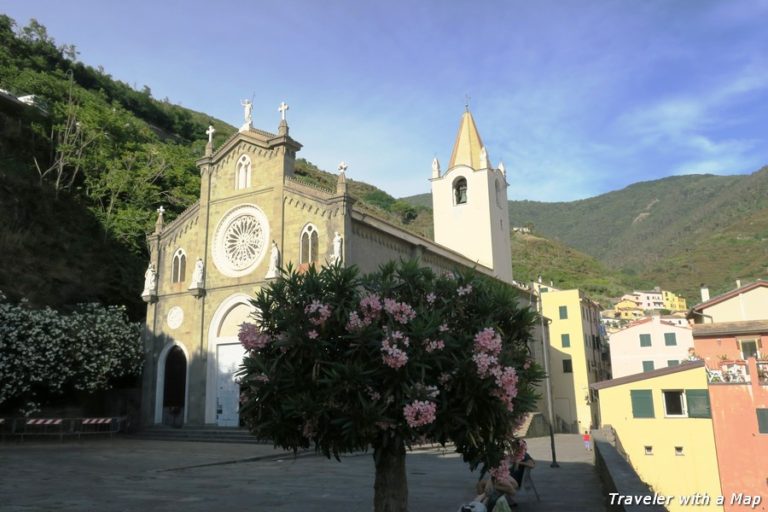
x=125 y=474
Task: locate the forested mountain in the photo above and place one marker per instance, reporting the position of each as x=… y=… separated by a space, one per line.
x=676 y=232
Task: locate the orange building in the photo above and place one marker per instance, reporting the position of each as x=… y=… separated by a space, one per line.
x=733 y=351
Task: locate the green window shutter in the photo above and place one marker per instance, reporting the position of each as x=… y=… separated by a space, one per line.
x=642 y=403
x=670 y=339
x=698 y=403
x=648 y=366
x=645 y=340
x=673 y=362
x=563 y=312
x=762 y=421
x=566 y=340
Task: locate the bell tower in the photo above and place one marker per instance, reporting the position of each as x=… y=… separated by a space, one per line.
x=469 y=201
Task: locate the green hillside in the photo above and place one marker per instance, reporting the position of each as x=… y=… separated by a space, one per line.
x=675 y=232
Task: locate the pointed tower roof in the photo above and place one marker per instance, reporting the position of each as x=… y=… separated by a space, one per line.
x=468 y=145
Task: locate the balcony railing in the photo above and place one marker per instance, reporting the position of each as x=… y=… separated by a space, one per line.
x=737 y=372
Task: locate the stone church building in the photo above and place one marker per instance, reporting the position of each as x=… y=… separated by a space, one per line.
x=254 y=215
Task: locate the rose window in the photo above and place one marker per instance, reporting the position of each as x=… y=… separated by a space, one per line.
x=240 y=239
x=243 y=242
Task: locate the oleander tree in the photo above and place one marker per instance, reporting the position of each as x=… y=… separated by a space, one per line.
x=46 y=354
x=345 y=363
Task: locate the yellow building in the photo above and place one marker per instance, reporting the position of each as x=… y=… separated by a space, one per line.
x=673 y=302
x=663 y=425
x=578 y=355
x=627 y=309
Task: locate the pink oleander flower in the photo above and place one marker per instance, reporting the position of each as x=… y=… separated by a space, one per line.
x=312 y=334
x=527 y=364
x=443 y=328
x=318 y=312
x=373 y=395
x=371 y=306
x=463 y=290
x=488 y=341
x=402 y=312
x=393 y=356
x=485 y=363
x=431 y=298
x=501 y=472
x=431 y=346
x=354 y=323
x=252 y=338
x=419 y=413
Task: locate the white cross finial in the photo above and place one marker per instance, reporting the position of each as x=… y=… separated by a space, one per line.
x=161 y=210
x=282 y=108
x=343 y=166
x=209 y=132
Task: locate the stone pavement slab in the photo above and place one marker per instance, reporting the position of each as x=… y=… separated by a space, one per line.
x=128 y=475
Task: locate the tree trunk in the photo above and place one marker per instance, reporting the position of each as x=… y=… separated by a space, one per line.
x=391 y=487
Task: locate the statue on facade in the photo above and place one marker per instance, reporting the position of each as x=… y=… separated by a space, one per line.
x=197 y=275
x=247 y=112
x=274 y=262
x=150 y=281
x=336 y=257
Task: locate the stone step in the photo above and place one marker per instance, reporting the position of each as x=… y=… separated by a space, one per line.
x=199 y=434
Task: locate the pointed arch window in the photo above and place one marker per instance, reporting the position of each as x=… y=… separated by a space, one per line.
x=243 y=173
x=460 y=191
x=179 y=269
x=309 y=244
x=499 y=194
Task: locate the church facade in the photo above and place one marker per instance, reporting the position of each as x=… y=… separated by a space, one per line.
x=254 y=216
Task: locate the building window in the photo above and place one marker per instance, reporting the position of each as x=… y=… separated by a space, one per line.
x=673 y=362
x=309 y=244
x=648 y=366
x=179 y=268
x=567 y=366
x=749 y=348
x=674 y=403
x=563 y=312
x=670 y=339
x=697 y=403
x=642 y=403
x=499 y=194
x=243 y=173
x=679 y=451
x=645 y=340
x=460 y=191
x=566 y=340
x=648 y=449
x=762 y=420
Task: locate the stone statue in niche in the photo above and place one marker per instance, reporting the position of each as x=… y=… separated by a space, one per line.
x=197 y=275
x=274 y=262
x=150 y=281
x=336 y=257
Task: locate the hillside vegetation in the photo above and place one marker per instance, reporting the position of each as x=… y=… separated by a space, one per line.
x=676 y=232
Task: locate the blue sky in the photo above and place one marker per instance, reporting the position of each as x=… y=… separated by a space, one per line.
x=577 y=98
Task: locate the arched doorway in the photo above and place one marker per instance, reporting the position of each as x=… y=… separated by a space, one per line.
x=174 y=387
x=225 y=355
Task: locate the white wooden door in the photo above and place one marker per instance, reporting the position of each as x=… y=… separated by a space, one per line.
x=229 y=357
